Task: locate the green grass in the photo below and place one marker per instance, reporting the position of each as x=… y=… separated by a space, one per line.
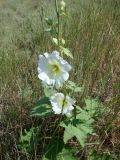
x=92 y=32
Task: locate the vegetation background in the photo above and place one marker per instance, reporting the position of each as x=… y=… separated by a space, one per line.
x=92 y=32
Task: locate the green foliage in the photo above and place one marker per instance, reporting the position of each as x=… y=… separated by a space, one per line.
x=29 y=140
x=66 y=154
x=66 y=51
x=56 y=41
x=100 y=156
x=42 y=108
x=73 y=87
x=79 y=128
x=95 y=108
x=49 y=21
x=53 y=149
x=49 y=91
x=50 y=30
x=56 y=150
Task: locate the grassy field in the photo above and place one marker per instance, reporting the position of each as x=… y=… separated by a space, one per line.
x=92 y=32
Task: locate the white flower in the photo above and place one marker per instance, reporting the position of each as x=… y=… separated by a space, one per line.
x=52 y=69
x=62 y=104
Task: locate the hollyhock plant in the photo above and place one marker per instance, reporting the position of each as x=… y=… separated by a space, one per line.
x=53 y=69
x=62 y=104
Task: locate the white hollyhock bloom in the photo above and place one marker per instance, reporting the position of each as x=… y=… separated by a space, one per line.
x=52 y=69
x=62 y=104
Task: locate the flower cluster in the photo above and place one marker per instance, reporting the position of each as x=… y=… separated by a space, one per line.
x=53 y=70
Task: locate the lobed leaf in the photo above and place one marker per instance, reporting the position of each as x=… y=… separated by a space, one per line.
x=66 y=154
x=79 y=128
x=53 y=149
x=42 y=108
x=73 y=87
x=95 y=107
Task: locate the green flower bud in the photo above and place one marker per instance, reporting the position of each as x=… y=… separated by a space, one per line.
x=62 y=5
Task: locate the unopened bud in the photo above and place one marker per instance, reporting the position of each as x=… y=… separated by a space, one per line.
x=62 y=5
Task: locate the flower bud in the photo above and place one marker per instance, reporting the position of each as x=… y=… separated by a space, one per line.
x=62 y=5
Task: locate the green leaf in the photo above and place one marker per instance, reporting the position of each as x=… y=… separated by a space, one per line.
x=49 y=21
x=66 y=154
x=72 y=131
x=79 y=128
x=53 y=149
x=66 y=51
x=61 y=153
x=29 y=140
x=72 y=84
x=55 y=40
x=49 y=91
x=84 y=117
x=63 y=41
x=73 y=87
x=93 y=155
x=48 y=30
x=95 y=107
x=42 y=108
x=78 y=89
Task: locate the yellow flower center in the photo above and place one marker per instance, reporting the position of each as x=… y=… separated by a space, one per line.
x=55 y=69
x=63 y=103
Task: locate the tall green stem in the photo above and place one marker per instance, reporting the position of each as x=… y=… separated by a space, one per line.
x=59 y=21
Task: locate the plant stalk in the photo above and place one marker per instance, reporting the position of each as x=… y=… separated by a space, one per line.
x=59 y=24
